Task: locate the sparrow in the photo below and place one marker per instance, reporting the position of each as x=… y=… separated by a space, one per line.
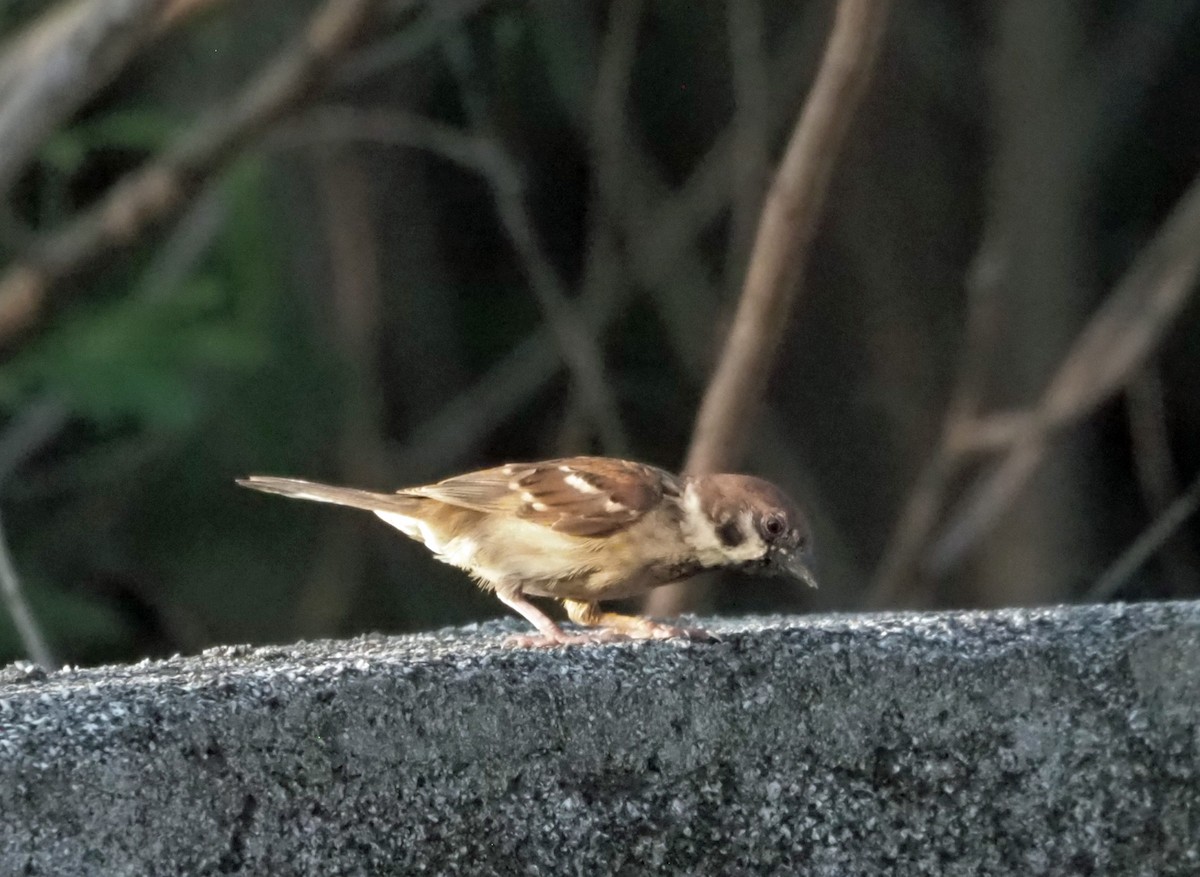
x=584 y=530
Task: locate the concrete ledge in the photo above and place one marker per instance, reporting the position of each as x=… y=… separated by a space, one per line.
x=1064 y=741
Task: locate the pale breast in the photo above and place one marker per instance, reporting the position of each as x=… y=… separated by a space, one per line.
x=506 y=549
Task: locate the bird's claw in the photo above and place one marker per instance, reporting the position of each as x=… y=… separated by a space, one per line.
x=556 y=638
x=652 y=631
x=695 y=634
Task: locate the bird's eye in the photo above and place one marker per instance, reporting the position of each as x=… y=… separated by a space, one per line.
x=773 y=526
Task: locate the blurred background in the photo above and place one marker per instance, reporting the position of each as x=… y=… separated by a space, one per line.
x=379 y=243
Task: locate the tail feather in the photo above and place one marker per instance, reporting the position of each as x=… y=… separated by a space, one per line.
x=348 y=496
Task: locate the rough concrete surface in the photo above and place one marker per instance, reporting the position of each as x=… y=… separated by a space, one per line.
x=1062 y=741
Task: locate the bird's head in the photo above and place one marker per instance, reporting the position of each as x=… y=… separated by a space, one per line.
x=745 y=522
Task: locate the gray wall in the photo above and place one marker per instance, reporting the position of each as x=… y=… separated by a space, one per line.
x=1023 y=742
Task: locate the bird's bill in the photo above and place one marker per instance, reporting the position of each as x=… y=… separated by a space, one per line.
x=795 y=565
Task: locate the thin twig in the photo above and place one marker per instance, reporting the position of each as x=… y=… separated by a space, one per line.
x=31 y=430
x=339 y=123
x=450 y=434
x=1116 y=341
x=57 y=63
x=1149 y=437
x=335 y=577
x=665 y=230
x=794 y=206
x=187 y=243
x=607 y=124
x=1155 y=468
x=661 y=227
x=159 y=190
x=18 y=609
x=577 y=342
x=435 y=21
x=662 y=231
x=28 y=432
x=895 y=575
x=752 y=128
x=1143 y=547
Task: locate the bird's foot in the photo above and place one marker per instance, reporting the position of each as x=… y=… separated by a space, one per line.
x=656 y=630
x=558 y=637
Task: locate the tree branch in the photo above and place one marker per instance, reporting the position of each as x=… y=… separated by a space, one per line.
x=159 y=190
x=576 y=341
x=18 y=609
x=1143 y=547
x=789 y=222
x=895 y=575
x=1116 y=341
x=49 y=70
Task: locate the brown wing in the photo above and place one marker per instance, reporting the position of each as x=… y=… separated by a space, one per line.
x=580 y=496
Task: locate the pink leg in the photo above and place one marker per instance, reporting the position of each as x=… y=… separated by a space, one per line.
x=549 y=634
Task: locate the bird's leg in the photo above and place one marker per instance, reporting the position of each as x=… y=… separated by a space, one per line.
x=549 y=634
x=631 y=626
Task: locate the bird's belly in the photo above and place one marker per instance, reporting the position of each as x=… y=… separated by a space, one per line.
x=515 y=551
x=502 y=551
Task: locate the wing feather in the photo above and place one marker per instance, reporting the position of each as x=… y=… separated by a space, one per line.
x=579 y=496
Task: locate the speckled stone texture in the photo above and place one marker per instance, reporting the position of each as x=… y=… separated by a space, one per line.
x=1062 y=741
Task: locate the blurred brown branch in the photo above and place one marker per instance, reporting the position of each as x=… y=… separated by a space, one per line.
x=1153 y=538
x=662 y=229
x=568 y=319
x=52 y=67
x=789 y=222
x=752 y=127
x=1115 y=342
x=1150 y=439
x=23 y=619
x=352 y=323
x=898 y=567
x=159 y=190
x=576 y=340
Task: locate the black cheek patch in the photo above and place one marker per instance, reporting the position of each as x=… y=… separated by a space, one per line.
x=730 y=534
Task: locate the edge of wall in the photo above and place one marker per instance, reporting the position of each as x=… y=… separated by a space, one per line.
x=1063 y=740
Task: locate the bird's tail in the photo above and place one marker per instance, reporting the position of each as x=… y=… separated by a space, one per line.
x=359 y=499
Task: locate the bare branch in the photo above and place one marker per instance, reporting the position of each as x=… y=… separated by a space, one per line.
x=608 y=130
x=895 y=575
x=751 y=126
x=789 y=222
x=1144 y=546
x=450 y=434
x=1115 y=342
x=662 y=231
x=49 y=71
x=577 y=342
x=436 y=20
x=1151 y=444
x=1150 y=439
x=163 y=187
x=14 y=600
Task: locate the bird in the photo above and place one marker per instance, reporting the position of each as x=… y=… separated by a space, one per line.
x=584 y=530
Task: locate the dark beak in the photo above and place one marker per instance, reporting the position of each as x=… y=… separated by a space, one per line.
x=795 y=565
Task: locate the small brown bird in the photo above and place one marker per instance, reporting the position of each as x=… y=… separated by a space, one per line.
x=586 y=529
